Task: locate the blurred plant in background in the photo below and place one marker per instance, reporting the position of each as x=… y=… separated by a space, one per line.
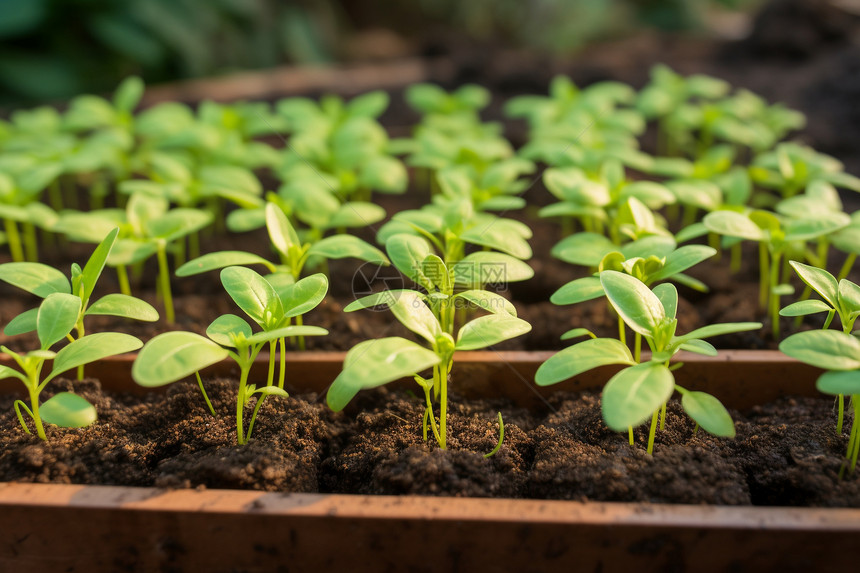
x=54 y=49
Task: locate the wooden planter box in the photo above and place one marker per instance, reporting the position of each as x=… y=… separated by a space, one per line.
x=49 y=527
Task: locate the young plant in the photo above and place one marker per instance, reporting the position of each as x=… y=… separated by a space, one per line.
x=840 y=298
x=56 y=317
x=373 y=363
x=838 y=353
x=22 y=180
x=42 y=281
x=172 y=356
x=775 y=236
x=642 y=389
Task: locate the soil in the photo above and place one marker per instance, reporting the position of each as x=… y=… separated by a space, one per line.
x=785 y=453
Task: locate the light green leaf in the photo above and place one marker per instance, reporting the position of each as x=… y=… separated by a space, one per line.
x=253 y=294
x=580 y=358
x=385 y=298
x=709 y=413
x=407 y=252
x=476 y=270
x=411 y=310
x=36 y=278
x=836 y=382
x=356 y=214
x=57 y=316
x=579 y=290
x=227 y=329
x=116 y=304
x=286 y=332
x=849 y=296
x=586 y=249
x=733 y=224
x=91 y=348
x=819 y=280
x=23 y=323
x=577 y=333
x=699 y=347
x=220 y=260
x=828 y=349
x=68 y=410
x=7 y=372
x=720 y=329
x=668 y=296
x=486 y=331
x=488 y=301
x=281 y=232
x=303 y=295
x=373 y=363
x=634 y=394
x=682 y=259
x=271 y=391
x=635 y=303
x=804 y=308
x=172 y=356
x=96 y=263
x=342 y=246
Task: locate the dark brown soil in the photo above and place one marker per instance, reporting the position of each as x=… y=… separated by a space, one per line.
x=785 y=453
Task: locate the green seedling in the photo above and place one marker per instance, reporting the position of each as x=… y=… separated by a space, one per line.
x=147 y=227
x=642 y=389
x=776 y=237
x=22 y=180
x=791 y=168
x=838 y=353
x=374 y=363
x=493 y=187
x=172 y=356
x=839 y=298
x=607 y=203
x=56 y=317
x=42 y=281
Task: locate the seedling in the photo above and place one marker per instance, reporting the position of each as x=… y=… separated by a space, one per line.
x=775 y=237
x=376 y=362
x=840 y=299
x=642 y=389
x=838 y=353
x=22 y=179
x=42 y=281
x=172 y=356
x=791 y=168
x=56 y=317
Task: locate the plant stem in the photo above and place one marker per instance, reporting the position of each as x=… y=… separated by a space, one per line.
x=855 y=401
x=737 y=253
x=240 y=400
x=299 y=322
x=622 y=337
x=273 y=349
x=846 y=266
x=630 y=434
x=14 y=240
x=34 y=405
x=428 y=413
x=841 y=415
x=714 y=243
x=18 y=405
x=260 y=401
x=774 y=298
x=31 y=246
x=122 y=277
x=637 y=347
x=663 y=417
x=763 y=290
x=652 y=432
x=203 y=391
x=55 y=195
x=164 y=280
x=443 y=404
x=282 y=373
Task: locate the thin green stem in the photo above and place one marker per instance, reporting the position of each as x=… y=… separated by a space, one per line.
x=630 y=434
x=663 y=417
x=282 y=373
x=774 y=297
x=31 y=245
x=240 y=400
x=622 y=336
x=430 y=415
x=55 y=195
x=34 y=410
x=300 y=322
x=18 y=405
x=763 y=290
x=637 y=347
x=652 y=432
x=273 y=350
x=260 y=401
x=855 y=400
x=122 y=278
x=846 y=266
x=14 y=240
x=442 y=370
x=714 y=243
x=164 y=281
x=840 y=417
x=737 y=255
x=495 y=450
x=203 y=391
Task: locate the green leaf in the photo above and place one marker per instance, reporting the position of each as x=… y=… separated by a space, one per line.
x=479 y=269
x=220 y=260
x=813 y=227
x=130 y=251
x=411 y=310
x=720 y=329
x=577 y=333
x=67 y=410
x=271 y=391
x=634 y=394
x=499 y=238
x=356 y=214
x=586 y=249
x=303 y=295
x=91 y=348
x=370 y=104
x=682 y=259
x=579 y=290
x=286 y=332
x=828 y=349
x=435 y=271
x=819 y=280
x=342 y=246
x=227 y=329
x=699 y=347
x=116 y=304
x=23 y=323
x=96 y=263
x=128 y=94
x=385 y=298
x=172 y=356
x=804 y=308
x=667 y=294
x=488 y=301
x=733 y=224
x=486 y=331
x=834 y=382
x=177 y=223
x=580 y=358
x=635 y=303
x=36 y=278
x=849 y=296
x=56 y=318
x=281 y=232
x=373 y=363
x=407 y=252
x=253 y=294
x=709 y=413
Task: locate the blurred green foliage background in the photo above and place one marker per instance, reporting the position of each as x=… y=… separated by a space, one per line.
x=53 y=49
